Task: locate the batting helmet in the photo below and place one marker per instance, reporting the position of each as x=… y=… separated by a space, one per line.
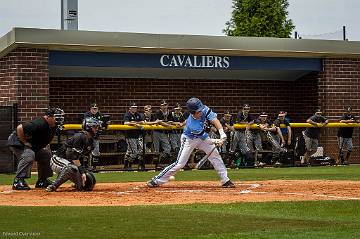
x=90 y=181
x=194 y=105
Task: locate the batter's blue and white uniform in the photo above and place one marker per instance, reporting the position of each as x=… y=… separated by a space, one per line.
x=195 y=136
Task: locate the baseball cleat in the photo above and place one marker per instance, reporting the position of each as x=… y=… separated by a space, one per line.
x=152 y=184
x=20 y=184
x=50 y=188
x=228 y=184
x=43 y=183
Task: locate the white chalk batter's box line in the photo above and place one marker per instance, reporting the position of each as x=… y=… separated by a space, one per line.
x=245 y=191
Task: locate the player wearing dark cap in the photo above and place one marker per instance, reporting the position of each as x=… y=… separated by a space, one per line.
x=272 y=134
x=227 y=123
x=94 y=113
x=28 y=143
x=134 y=138
x=345 y=136
x=285 y=132
x=312 y=134
x=161 y=137
x=175 y=135
x=244 y=139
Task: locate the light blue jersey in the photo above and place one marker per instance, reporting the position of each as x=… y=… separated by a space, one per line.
x=195 y=128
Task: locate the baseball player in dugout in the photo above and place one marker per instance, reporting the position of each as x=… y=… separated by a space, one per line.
x=345 y=137
x=244 y=137
x=272 y=134
x=285 y=132
x=194 y=136
x=68 y=160
x=29 y=143
x=149 y=119
x=161 y=137
x=134 y=138
x=94 y=113
x=312 y=134
x=227 y=123
x=175 y=135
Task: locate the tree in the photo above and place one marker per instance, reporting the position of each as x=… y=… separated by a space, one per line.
x=259 y=18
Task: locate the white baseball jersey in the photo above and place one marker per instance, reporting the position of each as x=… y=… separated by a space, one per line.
x=194 y=136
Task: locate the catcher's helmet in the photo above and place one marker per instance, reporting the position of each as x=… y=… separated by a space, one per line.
x=194 y=105
x=91 y=122
x=90 y=181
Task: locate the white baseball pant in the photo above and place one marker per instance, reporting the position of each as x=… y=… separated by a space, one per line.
x=187 y=146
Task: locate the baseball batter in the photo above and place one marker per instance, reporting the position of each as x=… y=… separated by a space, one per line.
x=195 y=136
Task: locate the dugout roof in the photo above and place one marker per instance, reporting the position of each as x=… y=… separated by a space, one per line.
x=119 y=54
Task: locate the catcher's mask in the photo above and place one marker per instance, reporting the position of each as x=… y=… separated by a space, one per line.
x=57 y=113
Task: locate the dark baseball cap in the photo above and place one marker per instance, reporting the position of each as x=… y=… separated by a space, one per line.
x=177 y=106
x=227 y=113
x=263 y=114
x=318 y=110
x=282 y=113
x=133 y=105
x=163 y=103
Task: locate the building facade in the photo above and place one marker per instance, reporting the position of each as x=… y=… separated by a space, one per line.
x=71 y=69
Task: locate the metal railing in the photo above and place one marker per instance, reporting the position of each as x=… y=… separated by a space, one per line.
x=236 y=126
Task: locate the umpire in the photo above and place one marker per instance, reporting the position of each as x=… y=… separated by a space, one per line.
x=28 y=143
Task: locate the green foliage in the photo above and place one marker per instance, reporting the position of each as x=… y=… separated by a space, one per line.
x=259 y=18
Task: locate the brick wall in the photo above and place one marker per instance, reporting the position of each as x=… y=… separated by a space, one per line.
x=114 y=95
x=339 y=86
x=24 y=78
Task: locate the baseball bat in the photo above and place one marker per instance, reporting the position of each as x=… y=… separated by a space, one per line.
x=203 y=160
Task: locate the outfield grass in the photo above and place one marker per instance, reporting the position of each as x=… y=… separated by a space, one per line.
x=328 y=219
x=308 y=219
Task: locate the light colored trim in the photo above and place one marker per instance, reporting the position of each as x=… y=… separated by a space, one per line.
x=71 y=40
x=7 y=43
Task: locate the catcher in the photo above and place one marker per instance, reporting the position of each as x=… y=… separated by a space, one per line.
x=67 y=161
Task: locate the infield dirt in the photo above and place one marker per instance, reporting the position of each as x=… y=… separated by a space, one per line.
x=184 y=192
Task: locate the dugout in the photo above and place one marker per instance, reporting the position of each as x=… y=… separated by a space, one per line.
x=70 y=69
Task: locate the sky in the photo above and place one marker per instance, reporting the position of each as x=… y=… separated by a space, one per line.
x=198 y=17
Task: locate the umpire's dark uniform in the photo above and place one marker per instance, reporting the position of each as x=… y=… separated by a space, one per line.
x=39 y=134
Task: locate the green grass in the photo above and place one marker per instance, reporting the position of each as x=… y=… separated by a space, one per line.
x=270 y=220
x=330 y=173
x=328 y=219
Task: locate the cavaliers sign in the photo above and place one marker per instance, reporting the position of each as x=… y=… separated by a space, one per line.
x=187 y=61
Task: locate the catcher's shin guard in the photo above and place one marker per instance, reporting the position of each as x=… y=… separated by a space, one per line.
x=64 y=175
